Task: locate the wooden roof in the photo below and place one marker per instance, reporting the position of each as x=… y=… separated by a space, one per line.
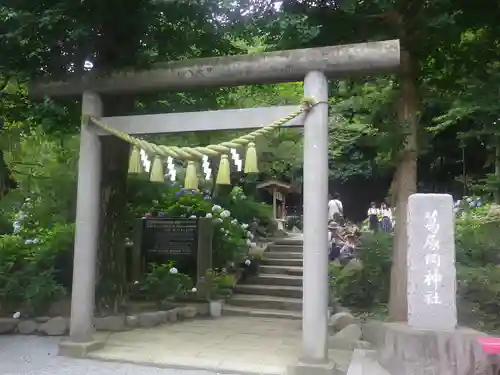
x=278 y=185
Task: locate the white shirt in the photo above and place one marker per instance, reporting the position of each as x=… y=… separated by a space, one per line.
x=386 y=213
x=373 y=211
x=334 y=206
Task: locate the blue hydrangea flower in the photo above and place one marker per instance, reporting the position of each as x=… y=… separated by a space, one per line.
x=225 y=213
x=16 y=226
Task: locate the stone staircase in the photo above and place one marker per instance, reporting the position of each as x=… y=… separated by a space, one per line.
x=277 y=291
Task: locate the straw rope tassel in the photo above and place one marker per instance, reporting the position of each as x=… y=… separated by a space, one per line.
x=134 y=163
x=251 y=159
x=157 y=174
x=191 y=179
x=224 y=172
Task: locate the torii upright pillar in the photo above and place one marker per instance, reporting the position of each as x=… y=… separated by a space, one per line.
x=86 y=234
x=315 y=281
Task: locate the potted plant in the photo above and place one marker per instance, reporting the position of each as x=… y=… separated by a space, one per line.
x=213 y=287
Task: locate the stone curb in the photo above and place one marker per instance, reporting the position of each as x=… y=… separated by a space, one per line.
x=59 y=326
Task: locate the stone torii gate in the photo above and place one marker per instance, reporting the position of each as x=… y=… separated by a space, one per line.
x=314 y=66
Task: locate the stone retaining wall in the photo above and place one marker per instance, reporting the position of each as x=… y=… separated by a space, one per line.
x=59 y=326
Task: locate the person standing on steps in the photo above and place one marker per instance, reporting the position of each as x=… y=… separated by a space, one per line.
x=373 y=214
x=386 y=221
x=335 y=209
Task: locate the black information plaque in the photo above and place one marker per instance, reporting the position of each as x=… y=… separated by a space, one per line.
x=186 y=242
x=170 y=237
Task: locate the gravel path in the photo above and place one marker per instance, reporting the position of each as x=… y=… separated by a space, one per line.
x=33 y=355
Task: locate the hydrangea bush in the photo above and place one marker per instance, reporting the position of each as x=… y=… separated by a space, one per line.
x=162 y=284
x=36 y=249
x=232 y=239
x=29 y=278
x=231 y=242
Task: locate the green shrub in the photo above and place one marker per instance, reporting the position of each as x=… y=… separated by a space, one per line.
x=216 y=284
x=229 y=243
x=164 y=283
x=27 y=273
x=478 y=299
x=5 y=225
x=477 y=235
x=366 y=283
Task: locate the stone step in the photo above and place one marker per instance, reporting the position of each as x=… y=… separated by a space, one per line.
x=282 y=262
x=282 y=255
x=364 y=362
x=284 y=248
x=265 y=302
x=298 y=240
x=281 y=270
x=342 y=360
x=275 y=279
x=270 y=290
x=262 y=313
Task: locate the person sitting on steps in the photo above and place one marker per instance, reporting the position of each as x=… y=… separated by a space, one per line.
x=334 y=240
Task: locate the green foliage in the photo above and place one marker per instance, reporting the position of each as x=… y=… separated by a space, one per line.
x=216 y=284
x=478 y=272
x=45 y=169
x=365 y=134
x=476 y=234
x=28 y=278
x=164 y=283
x=364 y=284
x=478 y=296
x=243 y=208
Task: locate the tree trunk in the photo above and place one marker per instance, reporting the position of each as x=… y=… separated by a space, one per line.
x=406 y=184
x=117 y=46
x=111 y=255
x=111 y=272
x=496 y=193
x=7 y=182
x=393 y=189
